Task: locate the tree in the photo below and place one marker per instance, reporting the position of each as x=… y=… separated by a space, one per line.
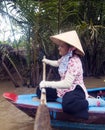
x=43 y=18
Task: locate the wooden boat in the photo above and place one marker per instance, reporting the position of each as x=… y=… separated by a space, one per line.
x=28 y=103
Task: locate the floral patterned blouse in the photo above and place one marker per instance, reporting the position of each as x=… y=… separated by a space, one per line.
x=74 y=67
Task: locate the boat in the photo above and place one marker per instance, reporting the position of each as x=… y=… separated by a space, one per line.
x=28 y=103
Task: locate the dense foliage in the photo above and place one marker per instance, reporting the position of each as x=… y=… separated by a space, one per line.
x=39 y=19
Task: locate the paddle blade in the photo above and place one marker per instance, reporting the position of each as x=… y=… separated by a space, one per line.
x=42 y=120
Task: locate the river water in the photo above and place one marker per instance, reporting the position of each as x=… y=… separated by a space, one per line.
x=13 y=119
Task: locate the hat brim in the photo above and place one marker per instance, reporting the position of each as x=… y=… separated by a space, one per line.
x=70 y=38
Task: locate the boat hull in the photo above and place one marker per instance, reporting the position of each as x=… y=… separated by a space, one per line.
x=94 y=118
x=29 y=103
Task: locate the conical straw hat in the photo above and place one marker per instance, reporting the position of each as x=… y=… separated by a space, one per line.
x=70 y=38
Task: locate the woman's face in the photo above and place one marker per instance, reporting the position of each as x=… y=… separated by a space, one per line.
x=63 y=48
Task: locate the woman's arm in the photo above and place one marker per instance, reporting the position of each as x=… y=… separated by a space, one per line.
x=63 y=84
x=51 y=62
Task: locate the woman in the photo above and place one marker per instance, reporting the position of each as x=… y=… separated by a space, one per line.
x=71 y=87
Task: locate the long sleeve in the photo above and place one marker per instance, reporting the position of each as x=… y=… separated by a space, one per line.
x=51 y=62
x=65 y=83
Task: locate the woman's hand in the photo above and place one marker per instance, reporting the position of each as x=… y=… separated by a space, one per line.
x=42 y=84
x=44 y=60
x=51 y=62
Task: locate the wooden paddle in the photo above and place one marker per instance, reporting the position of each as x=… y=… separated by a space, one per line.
x=42 y=119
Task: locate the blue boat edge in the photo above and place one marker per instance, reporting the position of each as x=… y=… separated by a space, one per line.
x=70 y=125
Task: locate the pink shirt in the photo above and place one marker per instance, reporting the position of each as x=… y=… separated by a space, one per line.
x=74 y=68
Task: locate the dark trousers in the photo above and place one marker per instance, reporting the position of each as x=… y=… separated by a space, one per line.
x=51 y=94
x=73 y=102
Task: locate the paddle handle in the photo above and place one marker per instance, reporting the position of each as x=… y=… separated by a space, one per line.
x=43 y=91
x=44 y=69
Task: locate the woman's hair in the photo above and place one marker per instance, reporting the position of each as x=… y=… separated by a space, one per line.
x=69 y=45
x=75 y=53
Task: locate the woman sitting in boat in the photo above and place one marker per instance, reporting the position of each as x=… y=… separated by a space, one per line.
x=71 y=87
